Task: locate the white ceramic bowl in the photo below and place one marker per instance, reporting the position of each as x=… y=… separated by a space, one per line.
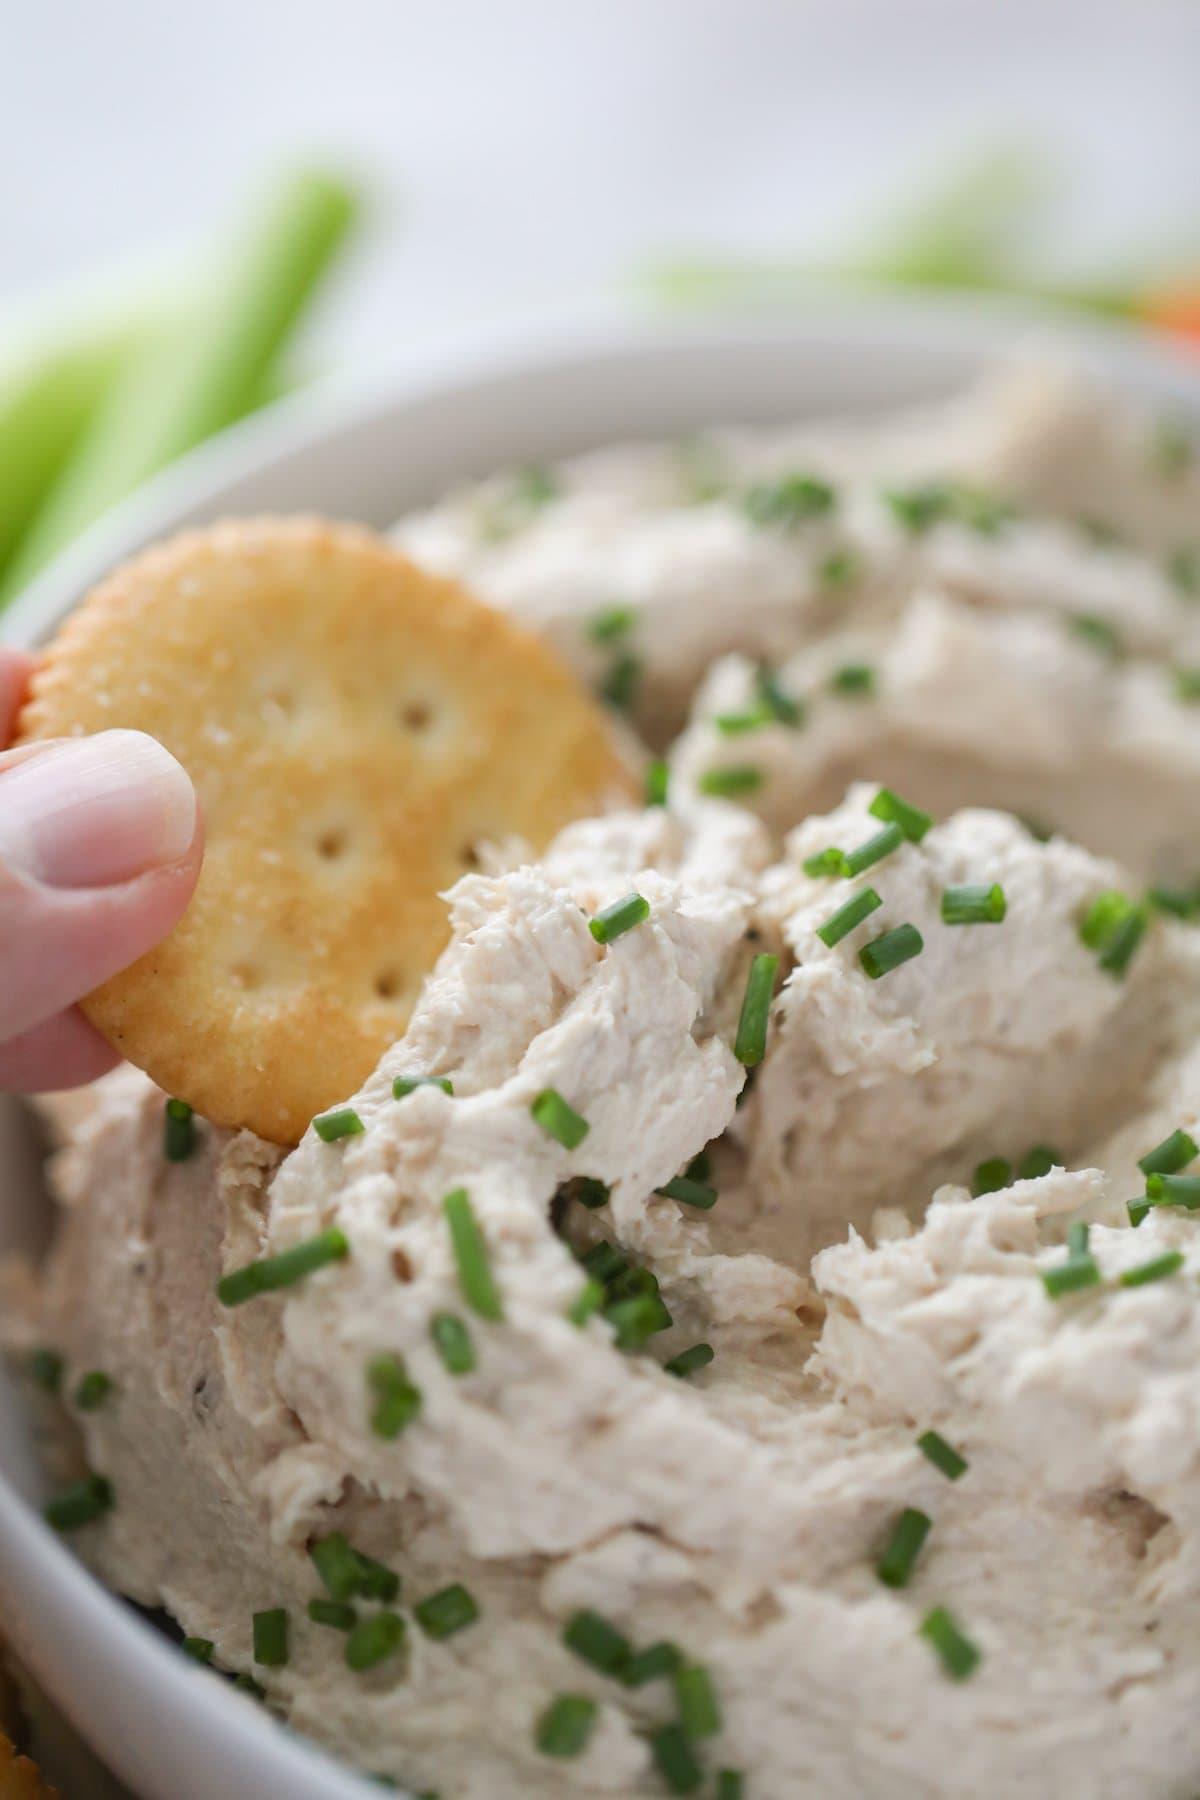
x=170 y=1730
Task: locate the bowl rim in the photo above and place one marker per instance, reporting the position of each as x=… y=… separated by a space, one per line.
x=77 y=1637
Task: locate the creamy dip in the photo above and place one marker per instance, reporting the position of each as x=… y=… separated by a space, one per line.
x=923 y=1516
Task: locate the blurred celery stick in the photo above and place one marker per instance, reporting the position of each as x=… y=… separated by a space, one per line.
x=203 y=370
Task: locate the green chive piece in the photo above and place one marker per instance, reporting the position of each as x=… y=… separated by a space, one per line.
x=1157 y=1269
x=375 y=1580
x=825 y=862
x=451 y=1609
x=604 y=1261
x=271 y=1637
x=620 y=685
x=1117 y=955
x=1172 y=450
x=93 y=1390
x=959 y=1655
x=612 y=921
x=1097 y=632
x=80 y=1504
x=688 y=1361
x=1176 y=1151
x=1113 y=925
x=1187 y=684
x=46 y=1369
x=1137 y=1210
x=470 y=1253
x=587 y=1190
x=397 y=1401
x=990 y=1176
x=285 y=1270
x=739 y=778
x=1183 y=568
x=373 y=1640
x=942 y=1455
x=558 y=1120
x=650 y=1664
x=838 y=925
x=408 y=1084
x=566 y=1725
x=588 y=1300
x=657 y=778
x=676 y=1760
x=699 y=1713
x=596 y=1642
x=750 y=1043
x=731 y=1785
x=615 y=622
x=1068 y=1277
x=343 y=1122
x=179 y=1131
x=772 y=699
x=789 y=502
x=200 y=1649
x=1037 y=1162
x=1181 y=903
x=246 y=1684
x=736 y=724
x=1174 y=1190
x=917 y=508
x=853 y=679
x=912 y=821
x=452 y=1341
x=689 y=1192
x=700 y=1167
x=974 y=904
x=838 y=569
x=1079 y=1235
x=883 y=954
x=637 y=1319
x=903 y=1547
x=873 y=850
x=334 y=1613
x=337 y=1565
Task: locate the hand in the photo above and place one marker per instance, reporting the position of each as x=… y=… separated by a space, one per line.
x=100 y=847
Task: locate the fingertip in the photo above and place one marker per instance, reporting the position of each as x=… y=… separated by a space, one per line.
x=63 y=1052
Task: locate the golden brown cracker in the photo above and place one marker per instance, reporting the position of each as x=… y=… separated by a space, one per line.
x=354 y=726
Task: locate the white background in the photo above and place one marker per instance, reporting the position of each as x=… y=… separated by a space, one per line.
x=527 y=154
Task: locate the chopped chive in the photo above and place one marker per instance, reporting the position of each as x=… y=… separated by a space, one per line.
x=341 y=1123
x=397 y=1401
x=536 y=486
x=1183 y=568
x=912 y=821
x=903 y=1547
x=612 y=921
x=1187 y=684
x=587 y=1190
x=558 y=1120
x=1175 y=1152
x=619 y=686
x=408 y=1084
x=93 y=1390
x=604 y=1261
x=1172 y=450
x=736 y=724
x=452 y=1341
x=1181 y=903
x=750 y=1043
x=991 y=1175
x=337 y=1564
x=917 y=508
x=959 y=1655
x=200 y=1649
x=271 y=1637
x=1117 y=955
x=839 y=924
x=80 y=1504
x=838 y=569
x=375 y=1580
x=699 y=1713
x=883 y=954
x=688 y=1361
x=1102 y=918
x=657 y=778
x=689 y=1192
x=46 y=1369
x=1157 y=1269
x=855 y=679
x=974 y=904
x=613 y=623
x=179 y=1131
x=596 y=1642
x=790 y=501
x=451 y=1609
x=1174 y=1190
x=1037 y=1162
x=873 y=850
x=772 y=699
x=637 y=1319
x=334 y=1613
x=650 y=1664
x=676 y=1760
x=1068 y=1277
x=246 y=1684
x=825 y=862
x=566 y=1725
x=1097 y=632
x=700 y=1167
x=587 y=1301
x=1137 y=1210
x=942 y=1455
x=739 y=778
x=471 y=1255
x=731 y=1785
x=373 y=1640
x=1079 y=1235
x=290 y=1266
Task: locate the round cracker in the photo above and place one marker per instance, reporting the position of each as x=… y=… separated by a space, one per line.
x=354 y=726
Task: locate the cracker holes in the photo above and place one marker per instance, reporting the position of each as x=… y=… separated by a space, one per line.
x=388 y=984
x=468 y=856
x=245 y=977
x=416 y=716
x=332 y=843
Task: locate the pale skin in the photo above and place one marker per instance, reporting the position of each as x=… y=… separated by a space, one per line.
x=100 y=848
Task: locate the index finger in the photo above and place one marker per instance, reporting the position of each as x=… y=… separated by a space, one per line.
x=15 y=667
